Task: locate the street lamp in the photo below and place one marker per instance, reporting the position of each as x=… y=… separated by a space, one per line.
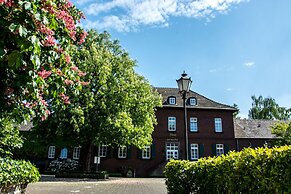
x=184 y=84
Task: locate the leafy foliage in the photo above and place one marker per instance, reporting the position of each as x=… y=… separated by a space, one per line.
x=9 y=137
x=117 y=106
x=14 y=172
x=267 y=108
x=283 y=132
x=35 y=39
x=261 y=170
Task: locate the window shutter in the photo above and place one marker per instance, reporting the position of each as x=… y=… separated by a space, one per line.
x=213 y=146
x=201 y=150
x=115 y=152
x=139 y=153
x=153 y=151
x=128 y=154
x=226 y=148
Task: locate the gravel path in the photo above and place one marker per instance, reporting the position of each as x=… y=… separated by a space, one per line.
x=111 y=186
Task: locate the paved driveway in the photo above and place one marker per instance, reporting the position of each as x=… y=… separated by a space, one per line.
x=111 y=186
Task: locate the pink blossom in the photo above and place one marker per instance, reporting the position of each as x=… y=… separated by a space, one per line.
x=59 y=50
x=44 y=74
x=68 y=59
x=44 y=102
x=59 y=72
x=43 y=118
x=68 y=82
x=81 y=73
x=8 y=3
x=50 y=41
x=73 y=35
x=82 y=37
x=84 y=83
x=65 y=98
x=45 y=30
x=27 y=104
x=68 y=4
x=47 y=112
x=74 y=68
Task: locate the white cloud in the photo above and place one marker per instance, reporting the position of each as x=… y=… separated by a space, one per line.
x=126 y=15
x=249 y=64
x=229 y=89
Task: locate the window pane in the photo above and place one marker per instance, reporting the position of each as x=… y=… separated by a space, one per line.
x=172 y=100
x=172 y=123
x=76 y=152
x=122 y=152
x=64 y=153
x=146 y=153
x=218 y=124
x=193 y=124
x=219 y=149
x=193 y=101
x=194 y=152
x=103 y=150
x=51 y=152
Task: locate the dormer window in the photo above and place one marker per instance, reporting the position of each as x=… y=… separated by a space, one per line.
x=172 y=100
x=192 y=101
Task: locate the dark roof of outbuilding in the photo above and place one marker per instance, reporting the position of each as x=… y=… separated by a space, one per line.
x=202 y=101
x=253 y=128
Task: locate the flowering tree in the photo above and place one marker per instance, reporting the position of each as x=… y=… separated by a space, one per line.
x=35 y=65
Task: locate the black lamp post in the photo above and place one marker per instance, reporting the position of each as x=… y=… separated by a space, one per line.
x=184 y=84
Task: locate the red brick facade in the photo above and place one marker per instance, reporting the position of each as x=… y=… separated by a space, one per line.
x=206 y=138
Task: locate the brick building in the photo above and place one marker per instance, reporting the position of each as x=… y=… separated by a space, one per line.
x=210 y=132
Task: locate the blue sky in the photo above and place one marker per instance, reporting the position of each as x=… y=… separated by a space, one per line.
x=232 y=49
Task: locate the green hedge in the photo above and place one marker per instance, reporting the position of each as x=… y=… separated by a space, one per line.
x=17 y=172
x=251 y=171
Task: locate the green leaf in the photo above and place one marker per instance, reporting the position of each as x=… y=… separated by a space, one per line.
x=27 y=6
x=22 y=31
x=13 y=58
x=13 y=27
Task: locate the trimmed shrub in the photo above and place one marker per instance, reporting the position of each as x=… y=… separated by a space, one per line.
x=261 y=170
x=16 y=172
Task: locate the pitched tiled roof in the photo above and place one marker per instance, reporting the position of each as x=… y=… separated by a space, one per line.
x=253 y=128
x=202 y=102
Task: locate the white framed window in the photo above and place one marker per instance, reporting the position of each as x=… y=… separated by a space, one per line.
x=51 y=152
x=194 y=150
x=219 y=149
x=172 y=151
x=218 y=124
x=76 y=152
x=193 y=124
x=192 y=101
x=171 y=123
x=102 y=151
x=172 y=100
x=146 y=152
x=122 y=152
x=64 y=153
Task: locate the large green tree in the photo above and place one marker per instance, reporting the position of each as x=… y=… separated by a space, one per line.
x=267 y=108
x=117 y=106
x=283 y=131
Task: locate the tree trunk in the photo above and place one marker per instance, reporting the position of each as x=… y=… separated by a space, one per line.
x=89 y=156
